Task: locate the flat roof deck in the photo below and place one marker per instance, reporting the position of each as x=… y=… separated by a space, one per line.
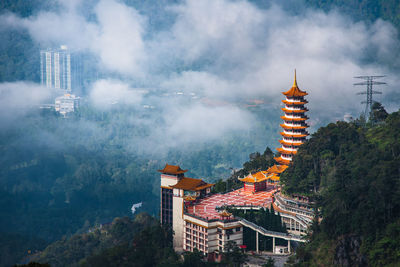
x=205 y=208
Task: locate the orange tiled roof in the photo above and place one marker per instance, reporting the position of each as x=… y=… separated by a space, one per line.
x=254 y=178
x=274 y=177
x=290 y=144
x=294 y=111
x=293 y=135
x=172 y=169
x=282 y=161
x=294 y=119
x=302 y=102
x=295 y=90
x=191 y=184
x=277 y=168
x=284 y=151
x=293 y=127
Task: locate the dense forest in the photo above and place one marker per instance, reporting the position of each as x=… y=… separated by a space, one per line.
x=141 y=241
x=65 y=175
x=352 y=172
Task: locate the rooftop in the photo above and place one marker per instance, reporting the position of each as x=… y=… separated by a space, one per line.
x=172 y=169
x=191 y=184
x=205 y=208
x=295 y=90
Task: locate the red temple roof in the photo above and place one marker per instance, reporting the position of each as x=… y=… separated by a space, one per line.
x=172 y=169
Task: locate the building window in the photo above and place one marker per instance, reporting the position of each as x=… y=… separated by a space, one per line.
x=238 y=229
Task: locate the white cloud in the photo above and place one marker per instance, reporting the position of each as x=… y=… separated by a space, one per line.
x=119 y=41
x=222 y=50
x=106 y=94
x=18 y=98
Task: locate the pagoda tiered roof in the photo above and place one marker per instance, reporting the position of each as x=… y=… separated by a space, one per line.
x=295 y=90
x=284 y=151
x=277 y=169
x=302 y=102
x=282 y=161
x=294 y=110
x=283 y=142
x=294 y=119
x=293 y=135
x=172 y=169
x=293 y=127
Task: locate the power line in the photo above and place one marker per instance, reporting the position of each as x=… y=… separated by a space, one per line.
x=369 y=82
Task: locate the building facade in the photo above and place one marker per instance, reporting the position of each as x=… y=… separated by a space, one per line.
x=66 y=103
x=55 y=68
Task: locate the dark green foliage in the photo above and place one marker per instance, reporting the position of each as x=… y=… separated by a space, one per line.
x=386 y=250
x=194 y=259
x=257 y=162
x=378 y=113
x=124 y=241
x=34 y=264
x=353 y=173
x=233 y=256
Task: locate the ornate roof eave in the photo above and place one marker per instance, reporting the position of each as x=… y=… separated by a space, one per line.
x=294 y=119
x=294 y=135
x=293 y=127
x=294 y=110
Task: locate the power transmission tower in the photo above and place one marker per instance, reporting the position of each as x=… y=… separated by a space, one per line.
x=369 y=82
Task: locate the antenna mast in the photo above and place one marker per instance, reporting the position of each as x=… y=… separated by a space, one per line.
x=369 y=81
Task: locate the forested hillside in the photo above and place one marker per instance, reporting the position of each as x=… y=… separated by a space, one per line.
x=352 y=172
x=141 y=241
x=62 y=176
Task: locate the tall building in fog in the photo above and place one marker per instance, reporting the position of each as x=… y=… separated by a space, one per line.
x=55 y=68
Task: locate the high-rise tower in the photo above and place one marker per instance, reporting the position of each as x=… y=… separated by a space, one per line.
x=55 y=68
x=294 y=127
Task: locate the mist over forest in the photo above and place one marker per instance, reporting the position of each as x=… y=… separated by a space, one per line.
x=192 y=83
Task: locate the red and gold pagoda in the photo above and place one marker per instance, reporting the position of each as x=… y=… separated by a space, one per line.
x=294 y=126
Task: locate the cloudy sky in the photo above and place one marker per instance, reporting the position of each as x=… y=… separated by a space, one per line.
x=220 y=50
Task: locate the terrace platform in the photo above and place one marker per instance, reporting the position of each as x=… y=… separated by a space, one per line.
x=206 y=207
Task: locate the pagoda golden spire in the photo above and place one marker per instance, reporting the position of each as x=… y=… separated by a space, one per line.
x=295 y=80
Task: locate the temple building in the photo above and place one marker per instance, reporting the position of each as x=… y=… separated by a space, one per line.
x=294 y=126
x=201 y=219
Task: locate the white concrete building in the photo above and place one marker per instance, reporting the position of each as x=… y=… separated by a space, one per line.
x=66 y=103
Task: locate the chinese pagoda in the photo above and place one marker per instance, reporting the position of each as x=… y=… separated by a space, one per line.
x=294 y=127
